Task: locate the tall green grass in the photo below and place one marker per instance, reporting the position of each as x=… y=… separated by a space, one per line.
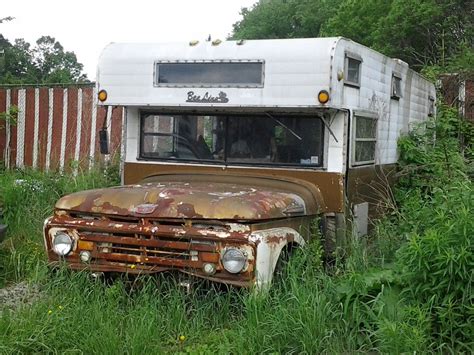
x=307 y=312
x=28 y=198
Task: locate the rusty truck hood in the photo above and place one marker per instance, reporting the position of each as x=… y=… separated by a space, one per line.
x=193 y=199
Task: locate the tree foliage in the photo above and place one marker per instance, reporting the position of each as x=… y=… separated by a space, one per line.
x=6 y=19
x=45 y=63
x=420 y=32
x=284 y=19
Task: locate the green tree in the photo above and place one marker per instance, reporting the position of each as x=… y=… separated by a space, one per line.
x=45 y=63
x=16 y=66
x=358 y=20
x=284 y=19
x=53 y=64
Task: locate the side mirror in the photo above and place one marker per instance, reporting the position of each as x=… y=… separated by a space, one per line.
x=104 y=141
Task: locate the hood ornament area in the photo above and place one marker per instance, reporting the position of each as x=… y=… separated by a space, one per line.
x=145 y=208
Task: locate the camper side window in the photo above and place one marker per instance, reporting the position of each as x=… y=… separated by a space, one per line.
x=431 y=108
x=365 y=139
x=352 y=70
x=396 y=86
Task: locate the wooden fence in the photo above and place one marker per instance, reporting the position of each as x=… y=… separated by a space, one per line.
x=55 y=127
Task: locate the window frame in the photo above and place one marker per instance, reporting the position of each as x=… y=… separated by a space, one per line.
x=156 y=74
x=355 y=139
x=225 y=162
x=431 y=106
x=347 y=57
x=393 y=94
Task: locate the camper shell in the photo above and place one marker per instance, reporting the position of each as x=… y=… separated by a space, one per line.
x=231 y=151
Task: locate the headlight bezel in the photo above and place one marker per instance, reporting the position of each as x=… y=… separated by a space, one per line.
x=239 y=258
x=67 y=243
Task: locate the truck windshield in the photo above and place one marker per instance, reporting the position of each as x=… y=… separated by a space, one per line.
x=246 y=139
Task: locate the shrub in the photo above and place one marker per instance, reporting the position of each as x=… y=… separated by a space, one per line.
x=437 y=262
x=436 y=200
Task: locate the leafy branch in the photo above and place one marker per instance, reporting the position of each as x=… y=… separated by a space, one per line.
x=10 y=117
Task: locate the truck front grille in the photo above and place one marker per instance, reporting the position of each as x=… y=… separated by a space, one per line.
x=149 y=242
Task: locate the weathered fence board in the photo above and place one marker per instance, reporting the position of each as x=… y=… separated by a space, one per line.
x=55 y=126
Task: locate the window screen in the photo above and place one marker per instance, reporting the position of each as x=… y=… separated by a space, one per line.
x=223 y=74
x=365 y=140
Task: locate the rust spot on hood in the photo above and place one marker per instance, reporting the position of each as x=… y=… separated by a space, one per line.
x=187 y=210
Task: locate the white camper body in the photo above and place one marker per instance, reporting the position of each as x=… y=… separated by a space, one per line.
x=359 y=80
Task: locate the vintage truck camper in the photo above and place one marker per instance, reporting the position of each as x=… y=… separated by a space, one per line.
x=232 y=149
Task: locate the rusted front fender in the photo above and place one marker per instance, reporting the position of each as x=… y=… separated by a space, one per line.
x=270 y=243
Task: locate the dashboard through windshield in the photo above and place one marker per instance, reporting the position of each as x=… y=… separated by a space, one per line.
x=227 y=139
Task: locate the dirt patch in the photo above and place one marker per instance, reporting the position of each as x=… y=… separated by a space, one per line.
x=18 y=295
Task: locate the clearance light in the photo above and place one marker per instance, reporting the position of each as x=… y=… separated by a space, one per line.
x=209 y=268
x=216 y=42
x=102 y=95
x=323 y=96
x=193 y=43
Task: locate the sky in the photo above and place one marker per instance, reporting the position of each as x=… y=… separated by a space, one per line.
x=87 y=26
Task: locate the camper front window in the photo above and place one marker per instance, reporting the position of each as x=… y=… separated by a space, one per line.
x=242 y=73
x=233 y=139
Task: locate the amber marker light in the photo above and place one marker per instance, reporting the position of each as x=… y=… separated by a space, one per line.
x=323 y=96
x=102 y=95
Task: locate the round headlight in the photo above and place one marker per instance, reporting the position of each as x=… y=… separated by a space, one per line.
x=62 y=244
x=234 y=260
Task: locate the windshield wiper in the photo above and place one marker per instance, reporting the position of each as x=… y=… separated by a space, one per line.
x=329 y=128
x=284 y=126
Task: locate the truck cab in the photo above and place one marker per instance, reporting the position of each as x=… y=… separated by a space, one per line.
x=231 y=151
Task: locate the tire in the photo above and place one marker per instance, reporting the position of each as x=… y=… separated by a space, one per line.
x=329 y=237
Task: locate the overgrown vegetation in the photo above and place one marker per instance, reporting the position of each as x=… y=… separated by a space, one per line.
x=407 y=288
x=28 y=197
